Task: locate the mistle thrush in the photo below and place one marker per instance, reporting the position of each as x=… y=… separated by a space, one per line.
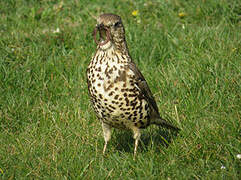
x=119 y=93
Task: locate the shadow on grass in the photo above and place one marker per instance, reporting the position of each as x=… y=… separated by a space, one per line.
x=156 y=138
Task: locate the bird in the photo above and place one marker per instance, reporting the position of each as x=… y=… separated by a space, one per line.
x=119 y=93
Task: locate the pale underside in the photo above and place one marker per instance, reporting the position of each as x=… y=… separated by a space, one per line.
x=115 y=96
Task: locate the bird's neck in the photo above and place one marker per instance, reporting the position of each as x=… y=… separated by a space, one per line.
x=120 y=47
x=110 y=53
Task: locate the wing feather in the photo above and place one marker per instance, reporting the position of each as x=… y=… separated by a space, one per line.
x=144 y=88
x=146 y=92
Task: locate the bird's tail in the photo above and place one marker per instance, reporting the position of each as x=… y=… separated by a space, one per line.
x=164 y=123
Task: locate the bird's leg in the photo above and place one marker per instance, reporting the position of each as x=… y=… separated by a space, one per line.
x=136 y=145
x=107 y=134
x=137 y=135
x=104 y=147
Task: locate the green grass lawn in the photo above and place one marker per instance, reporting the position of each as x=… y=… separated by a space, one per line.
x=188 y=51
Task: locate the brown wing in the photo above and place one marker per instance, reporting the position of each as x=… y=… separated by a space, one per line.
x=144 y=89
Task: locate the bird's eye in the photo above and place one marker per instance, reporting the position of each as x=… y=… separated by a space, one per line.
x=117 y=24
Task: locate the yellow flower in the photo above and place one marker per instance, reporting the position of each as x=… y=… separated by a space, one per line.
x=1 y=171
x=182 y=14
x=135 y=13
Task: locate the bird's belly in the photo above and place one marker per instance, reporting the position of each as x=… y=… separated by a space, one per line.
x=119 y=104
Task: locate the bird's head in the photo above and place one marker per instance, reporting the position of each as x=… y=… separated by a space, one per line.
x=110 y=29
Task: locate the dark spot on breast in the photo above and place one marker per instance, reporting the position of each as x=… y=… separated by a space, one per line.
x=129 y=117
x=115 y=102
x=111 y=93
x=103 y=114
x=141 y=115
x=112 y=107
x=97 y=57
x=134 y=119
x=132 y=95
x=122 y=109
x=133 y=103
x=127 y=101
x=132 y=90
x=110 y=110
x=116 y=96
x=110 y=71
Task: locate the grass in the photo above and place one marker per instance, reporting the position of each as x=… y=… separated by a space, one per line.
x=188 y=51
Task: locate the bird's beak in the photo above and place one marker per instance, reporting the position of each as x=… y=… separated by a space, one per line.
x=100 y=27
x=102 y=30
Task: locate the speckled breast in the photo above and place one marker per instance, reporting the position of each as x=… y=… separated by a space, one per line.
x=115 y=98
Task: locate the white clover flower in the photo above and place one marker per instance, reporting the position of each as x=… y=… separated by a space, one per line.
x=223 y=167
x=56 y=31
x=238 y=156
